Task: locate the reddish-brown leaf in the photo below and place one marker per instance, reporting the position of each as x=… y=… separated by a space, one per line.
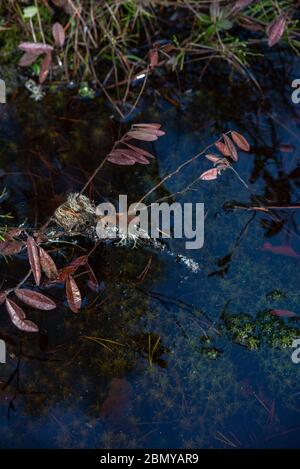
x=64 y=273
x=209 y=175
x=222 y=148
x=139 y=150
x=153 y=58
x=18 y=317
x=214 y=158
x=34 y=299
x=73 y=295
x=13 y=233
x=35 y=47
x=147 y=126
x=240 y=141
x=58 y=34
x=34 y=259
x=2 y=297
x=128 y=154
x=45 y=68
x=93 y=282
x=9 y=248
x=48 y=265
x=284 y=313
x=149 y=135
x=78 y=262
x=28 y=58
x=275 y=30
x=230 y=147
x=120 y=159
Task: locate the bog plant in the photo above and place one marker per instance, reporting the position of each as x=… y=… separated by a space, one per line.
x=73 y=215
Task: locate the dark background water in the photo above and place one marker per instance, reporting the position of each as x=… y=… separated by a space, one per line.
x=176 y=374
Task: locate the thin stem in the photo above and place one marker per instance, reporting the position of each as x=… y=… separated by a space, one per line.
x=238 y=176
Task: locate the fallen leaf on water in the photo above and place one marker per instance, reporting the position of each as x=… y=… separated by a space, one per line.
x=284 y=313
x=117 y=401
x=283 y=250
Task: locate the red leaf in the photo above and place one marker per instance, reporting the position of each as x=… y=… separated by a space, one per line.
x=9 y=248
x=140 y=150
x=120 y=159
x=282 y=250
x=284 y=313
x=48 y=265
x=153 y=58
x=230 y=147
x=128 y=154
x=275 y=30
x=146 y=135
x=240 y=141
x=18 y=317
x=2 y=297
x=58 y=34
x=209 y=175
x=34 y=259
x=214 y=158
x=64 y=273
x=147 y=126
x=28 y=58
x=35 y=47
x=34 y=299
x=12 y=233
x=45 y=68
x=93 y=282
x=73 y=294
x=222 y=148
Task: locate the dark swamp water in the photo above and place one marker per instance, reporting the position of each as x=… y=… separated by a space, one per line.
x=194 y=360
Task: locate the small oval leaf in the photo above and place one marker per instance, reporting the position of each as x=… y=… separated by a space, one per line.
x=230 y=147
x=34 y=259
x=48 y=265
x=222 y=148
x=283 y=313
x=240 y=141
x=34 y=299
x=18 y=317
x=73 y=295
x=275 y=30
x=58 y=34
x=209 y=175
x=35 y=47
x=45 y=68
